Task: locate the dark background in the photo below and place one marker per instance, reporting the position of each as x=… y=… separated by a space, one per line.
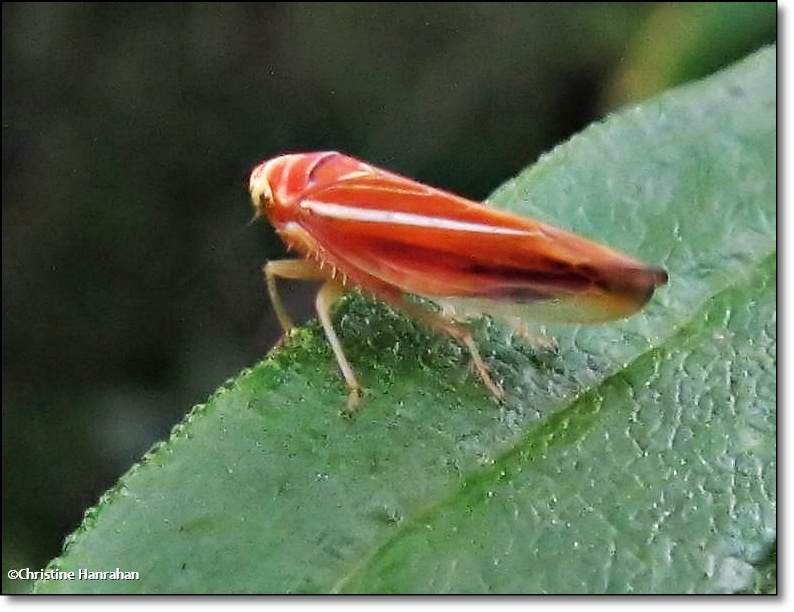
x=131 y=282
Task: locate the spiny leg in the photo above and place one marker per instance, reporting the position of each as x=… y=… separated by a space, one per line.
x=437 y=322
x=296 y=269
x=329 y=293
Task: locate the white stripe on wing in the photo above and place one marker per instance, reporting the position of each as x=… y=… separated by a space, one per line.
x=369 y=215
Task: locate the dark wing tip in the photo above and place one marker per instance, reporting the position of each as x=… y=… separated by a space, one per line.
x=638 y=283
x=656 y=277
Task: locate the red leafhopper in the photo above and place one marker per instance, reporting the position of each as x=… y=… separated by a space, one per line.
x=358 y=226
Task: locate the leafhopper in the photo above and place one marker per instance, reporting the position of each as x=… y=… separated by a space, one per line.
x=358 y=226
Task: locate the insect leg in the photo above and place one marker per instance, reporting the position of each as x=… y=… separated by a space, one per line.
x=297 y=269
x=437 y=322
x=534 y=339
x=326 y=297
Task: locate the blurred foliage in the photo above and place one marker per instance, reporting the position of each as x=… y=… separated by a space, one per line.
x=684 y=41
x=639 y=458
x=130 y=280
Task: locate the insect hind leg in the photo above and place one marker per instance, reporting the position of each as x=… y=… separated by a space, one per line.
x=438 y=322
x=533 y=338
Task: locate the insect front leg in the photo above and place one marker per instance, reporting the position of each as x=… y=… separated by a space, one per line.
x=437 y=322
x=295 y=269
x=329 y=293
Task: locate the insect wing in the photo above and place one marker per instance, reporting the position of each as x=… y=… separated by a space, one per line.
x=432 y=243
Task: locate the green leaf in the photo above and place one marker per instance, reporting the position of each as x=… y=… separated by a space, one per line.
x=639 y=459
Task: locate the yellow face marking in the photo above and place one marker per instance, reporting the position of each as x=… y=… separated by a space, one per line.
x=261 y=192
